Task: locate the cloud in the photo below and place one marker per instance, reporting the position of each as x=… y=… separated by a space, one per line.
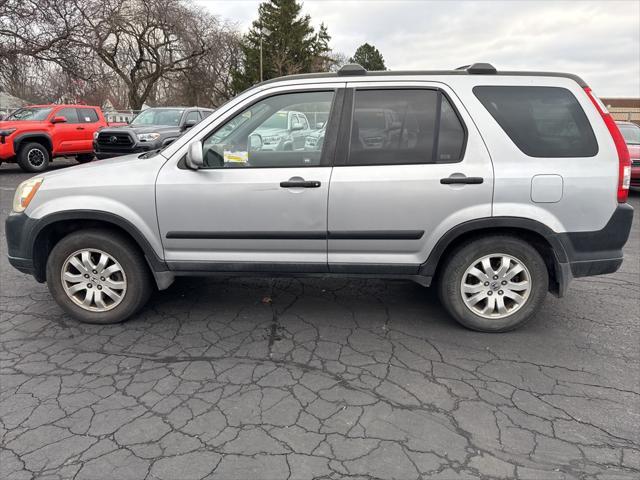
x=599 y=41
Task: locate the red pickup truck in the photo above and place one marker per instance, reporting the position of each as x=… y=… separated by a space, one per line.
x=34 y=135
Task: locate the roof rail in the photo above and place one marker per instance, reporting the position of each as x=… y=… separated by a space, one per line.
x=352 y=69
x=481 y=68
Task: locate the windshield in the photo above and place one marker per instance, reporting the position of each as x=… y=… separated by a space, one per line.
x=278 y=120
x=30 y=113
x=159 y=116
x=371 y=120
x=631 y=134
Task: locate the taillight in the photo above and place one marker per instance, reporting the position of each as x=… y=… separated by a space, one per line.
x=624 y=161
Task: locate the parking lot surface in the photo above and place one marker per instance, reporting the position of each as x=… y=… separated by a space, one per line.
x=310 y=378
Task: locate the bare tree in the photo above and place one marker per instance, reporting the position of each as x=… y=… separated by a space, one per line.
x=107 y=46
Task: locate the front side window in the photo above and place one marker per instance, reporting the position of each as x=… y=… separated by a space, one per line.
x=543 y=122
x=270 y=133
x=192 y=117
x=69 y=113
x=158 y=116
x=30 y=113
x=404 y=126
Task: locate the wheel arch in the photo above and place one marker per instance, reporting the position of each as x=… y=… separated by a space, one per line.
x=40 y=137
x=51 y=229
x=538 y=235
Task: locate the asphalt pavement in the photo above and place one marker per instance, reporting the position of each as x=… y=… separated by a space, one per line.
x=240 y=378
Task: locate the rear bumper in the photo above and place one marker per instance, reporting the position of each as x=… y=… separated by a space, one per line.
x=598 y=252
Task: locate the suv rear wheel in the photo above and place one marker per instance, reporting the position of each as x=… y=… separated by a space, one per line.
x=98 y=276
x=494 y=284
x=33 y=157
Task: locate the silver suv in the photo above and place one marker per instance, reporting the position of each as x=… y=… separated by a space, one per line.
x=499 y=186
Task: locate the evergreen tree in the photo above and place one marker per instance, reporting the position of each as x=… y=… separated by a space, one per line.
x=290 y=44
x=369 y=57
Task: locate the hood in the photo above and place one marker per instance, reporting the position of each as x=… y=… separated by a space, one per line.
x=634 y=151
x=141 y=129
x=100 y=167
x=268 y=132
x=21 y=123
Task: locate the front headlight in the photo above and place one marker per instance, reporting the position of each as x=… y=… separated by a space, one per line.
x=6 y=132
x=95 y=135
x=25 y=193
x=148 y=137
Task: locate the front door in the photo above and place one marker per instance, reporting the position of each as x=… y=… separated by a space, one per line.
x=410 y=167
x=68 y=136
x=253 y=206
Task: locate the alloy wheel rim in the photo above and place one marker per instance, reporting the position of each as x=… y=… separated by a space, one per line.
x=93 y=280
x=496 y=286
x=35 y=157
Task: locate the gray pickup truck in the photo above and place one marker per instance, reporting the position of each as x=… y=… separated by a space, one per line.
x=152 y=129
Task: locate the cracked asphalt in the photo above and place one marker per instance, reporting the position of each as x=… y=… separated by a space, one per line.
x=239 y=378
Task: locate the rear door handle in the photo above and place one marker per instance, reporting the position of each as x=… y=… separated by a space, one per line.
x=300 y=184
x=79 y=128
x=462 y=180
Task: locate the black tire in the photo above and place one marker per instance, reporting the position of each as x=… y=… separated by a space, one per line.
x=85 y=158
x=451 y=277
x=33 y=157
x=120 y=248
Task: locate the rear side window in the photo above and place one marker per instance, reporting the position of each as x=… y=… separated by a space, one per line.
x=404 y=126
x=543 y=122
x=87 y=115
x=68 y=113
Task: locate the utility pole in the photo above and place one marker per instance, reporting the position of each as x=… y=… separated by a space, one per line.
x=263 y=31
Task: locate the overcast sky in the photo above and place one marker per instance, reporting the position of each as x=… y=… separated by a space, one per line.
x=598 y=40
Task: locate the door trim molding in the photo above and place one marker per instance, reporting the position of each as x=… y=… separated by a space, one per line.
x=299 y=235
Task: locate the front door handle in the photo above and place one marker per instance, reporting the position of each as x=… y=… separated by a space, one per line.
x=79 y=128
x=300 y=184
x=462 y=180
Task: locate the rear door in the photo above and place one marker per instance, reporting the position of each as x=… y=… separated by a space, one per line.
x=410 y=165
x=88 y=122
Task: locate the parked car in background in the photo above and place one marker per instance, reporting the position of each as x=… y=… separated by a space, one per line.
x=631 y=133
x=151 y=129
x=32 y=136
x=499 y=188
x=284 y=131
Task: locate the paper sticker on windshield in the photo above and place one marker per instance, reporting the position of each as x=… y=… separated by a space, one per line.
x=235 y=157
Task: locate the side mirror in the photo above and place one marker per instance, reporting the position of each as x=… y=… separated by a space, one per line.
x=194 y=158
x=319 y=125
x=188 y=124
x=255 y=142
x=296 y=127
x=58 y=120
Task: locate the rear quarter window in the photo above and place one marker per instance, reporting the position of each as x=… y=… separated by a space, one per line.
x=546 y=122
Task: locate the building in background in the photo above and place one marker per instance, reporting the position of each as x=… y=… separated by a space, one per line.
x=626 y=109
x=8 y=103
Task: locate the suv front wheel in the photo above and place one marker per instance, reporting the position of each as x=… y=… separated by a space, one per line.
x=98 y=276
x=494 y=284
x=33 y=157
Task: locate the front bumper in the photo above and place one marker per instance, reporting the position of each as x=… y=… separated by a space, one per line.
x=18 y=230
x=6 y=149
x=635 y=174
